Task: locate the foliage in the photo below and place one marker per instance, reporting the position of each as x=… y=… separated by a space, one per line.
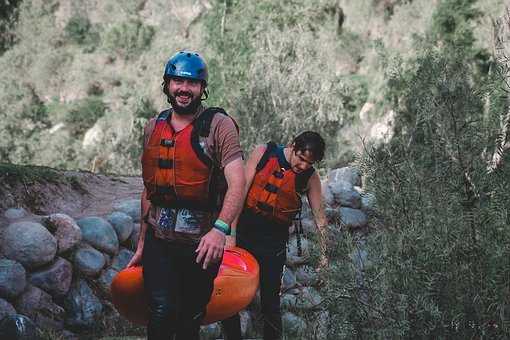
x=8 y=16
x=84 y=113
x=128 y=38
x=80 y=31
x=439 y=267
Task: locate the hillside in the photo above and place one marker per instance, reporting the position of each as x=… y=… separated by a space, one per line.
x=79 y=79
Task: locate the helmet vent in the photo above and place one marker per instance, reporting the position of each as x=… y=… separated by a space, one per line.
x=189 y=55
x=173 y=67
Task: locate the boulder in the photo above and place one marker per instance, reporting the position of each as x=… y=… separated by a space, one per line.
x=82 y=306
x=309 y=299
x=105 y=280
x=307 y=276
x=6 y=309
x=294 y=326
x=15 y=213
x=12 y=279
x=353 y=218
x=122 y=259
x=131 y=207
x=288 y=279
x=54 y=279
x=29 y=243
x=122 y=223
x=39 y=306
x=342 y=193
x=132 y=242
x=210 y=332
x=100 y=234
x=65 y=229
x=89 y=261
x=247 y=327
x=348 y=174
x=18 y=327
x=293 y=258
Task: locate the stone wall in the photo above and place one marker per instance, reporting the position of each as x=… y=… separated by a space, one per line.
x=55 y=272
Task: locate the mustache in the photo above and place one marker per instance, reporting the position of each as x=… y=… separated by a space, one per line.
x=184 y=93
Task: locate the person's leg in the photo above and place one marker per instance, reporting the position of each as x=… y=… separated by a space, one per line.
x=232 y=327
x=161 y=286
x=197 y=288
x=271 y=268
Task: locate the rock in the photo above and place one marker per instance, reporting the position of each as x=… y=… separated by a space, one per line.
x=365 y=110
x=247 y=327
x=89 y=261
x=12 y=279
x=39 y=306
x=15 y=213
x=133 y=239
x=82 y=306
x=100 y=234
x=322 y=326
x=288 y=280
x=65 y=230
x=18 y=327
x=210 y=332
x=131 y=207
x=293 y=325
x=347 y=174
x=122 y=259
x=55 y=279
x=122 y=223
x=6 y=309
x=342 y=193
x=353 y=218
x=308 y=299
x=105 y=280
x=306 y=276
x=368 y=202
x=288 y=301
x=293 y=259
x=29 y=243
x=308 y=226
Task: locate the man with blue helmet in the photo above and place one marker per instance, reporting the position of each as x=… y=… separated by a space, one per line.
x=193 y=176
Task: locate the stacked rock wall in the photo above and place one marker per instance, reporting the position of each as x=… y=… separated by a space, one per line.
x=55 y=272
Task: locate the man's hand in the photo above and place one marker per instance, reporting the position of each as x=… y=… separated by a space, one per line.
x=211 y=246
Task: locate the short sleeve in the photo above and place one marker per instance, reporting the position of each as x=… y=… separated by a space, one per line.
x=225 y=140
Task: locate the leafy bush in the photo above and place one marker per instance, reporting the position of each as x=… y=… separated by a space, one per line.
x=80 y=31
x=84 y=113
x=128 y=38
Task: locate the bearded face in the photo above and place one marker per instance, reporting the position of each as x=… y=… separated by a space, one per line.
x=185 y=95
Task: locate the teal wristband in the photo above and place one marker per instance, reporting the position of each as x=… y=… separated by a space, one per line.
x=222 y=226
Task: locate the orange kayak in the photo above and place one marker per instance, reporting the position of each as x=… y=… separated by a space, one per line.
x=234 y=288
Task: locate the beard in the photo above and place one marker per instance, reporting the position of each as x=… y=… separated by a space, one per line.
x=189 y=109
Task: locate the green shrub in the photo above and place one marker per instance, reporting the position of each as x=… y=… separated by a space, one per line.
x=83 y=114
x=128 y=38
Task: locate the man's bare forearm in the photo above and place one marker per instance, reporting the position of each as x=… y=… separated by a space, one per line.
x=234 y=198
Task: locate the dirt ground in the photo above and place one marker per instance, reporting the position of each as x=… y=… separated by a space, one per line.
x=75 y=193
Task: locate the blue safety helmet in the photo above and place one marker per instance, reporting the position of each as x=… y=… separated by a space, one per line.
x=186 y=64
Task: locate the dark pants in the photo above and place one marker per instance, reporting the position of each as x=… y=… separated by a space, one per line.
x=271 y=267
x=178 y=289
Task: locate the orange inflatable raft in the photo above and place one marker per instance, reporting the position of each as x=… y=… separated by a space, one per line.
x=234 y=288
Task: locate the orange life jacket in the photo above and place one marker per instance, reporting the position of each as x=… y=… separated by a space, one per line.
x=177 y=170
x=276 y=190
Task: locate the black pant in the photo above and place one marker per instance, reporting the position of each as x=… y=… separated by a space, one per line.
x=177 y=287
x=271 y=264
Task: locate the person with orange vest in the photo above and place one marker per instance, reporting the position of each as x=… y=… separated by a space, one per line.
x=277 y=177
x=193 y=177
